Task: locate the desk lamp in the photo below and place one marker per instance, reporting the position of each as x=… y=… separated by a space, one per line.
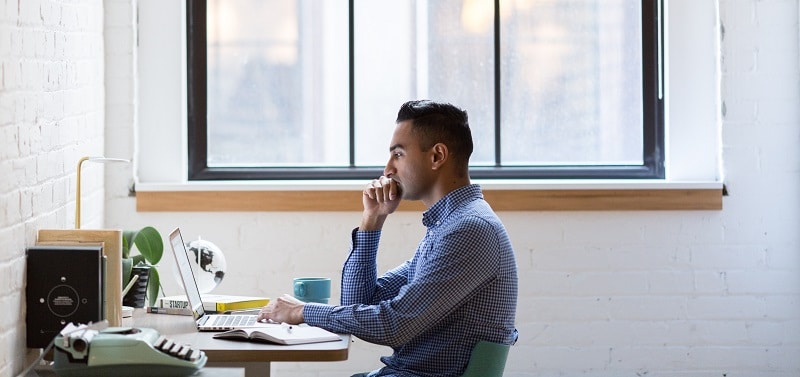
x=102 y=160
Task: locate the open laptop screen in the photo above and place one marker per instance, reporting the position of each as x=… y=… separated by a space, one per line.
x=186 y=273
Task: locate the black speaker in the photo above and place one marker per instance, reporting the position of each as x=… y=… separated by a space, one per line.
x=65 y=284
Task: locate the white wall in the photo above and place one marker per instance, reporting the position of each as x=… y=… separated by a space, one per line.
x=679 y=293
x=51 y=114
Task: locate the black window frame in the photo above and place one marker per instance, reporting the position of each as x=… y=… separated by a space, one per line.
x=652 y=124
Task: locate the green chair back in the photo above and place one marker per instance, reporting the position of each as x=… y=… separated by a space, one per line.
x=487 y=360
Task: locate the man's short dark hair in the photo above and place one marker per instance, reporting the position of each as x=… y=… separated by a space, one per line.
x=437 y=122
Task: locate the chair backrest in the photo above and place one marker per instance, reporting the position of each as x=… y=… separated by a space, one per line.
x=487 y=360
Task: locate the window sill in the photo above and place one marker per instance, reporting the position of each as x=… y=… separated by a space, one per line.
x=502 y=195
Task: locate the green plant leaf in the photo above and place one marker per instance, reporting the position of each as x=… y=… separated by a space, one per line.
x=149 y=243
x=138 y=260
x=127 y=241
x=150 y=248
x=153 y=286
x=127 y=268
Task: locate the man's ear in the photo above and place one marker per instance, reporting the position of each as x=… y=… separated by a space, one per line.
x=439 y=154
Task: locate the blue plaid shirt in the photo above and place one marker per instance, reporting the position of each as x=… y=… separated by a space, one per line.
x=459 y=288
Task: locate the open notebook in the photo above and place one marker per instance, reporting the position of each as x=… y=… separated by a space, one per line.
x=281 y=334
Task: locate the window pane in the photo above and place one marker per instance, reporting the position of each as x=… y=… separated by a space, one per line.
x=571 y=82
x=277 y=83
x=406 y=50
x=570 y=94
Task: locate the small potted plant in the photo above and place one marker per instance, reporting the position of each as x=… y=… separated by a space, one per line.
x=150 y=246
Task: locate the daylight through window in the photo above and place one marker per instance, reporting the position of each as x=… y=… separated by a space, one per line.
x=293 y=89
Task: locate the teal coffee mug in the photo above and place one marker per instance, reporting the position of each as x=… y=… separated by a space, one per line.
x=312 y=289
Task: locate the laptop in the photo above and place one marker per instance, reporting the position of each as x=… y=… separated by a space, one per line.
x=204 y=321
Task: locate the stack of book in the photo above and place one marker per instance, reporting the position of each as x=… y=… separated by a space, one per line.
x=215 y=303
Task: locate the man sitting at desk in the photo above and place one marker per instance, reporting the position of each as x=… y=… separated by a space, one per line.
x=459 y=288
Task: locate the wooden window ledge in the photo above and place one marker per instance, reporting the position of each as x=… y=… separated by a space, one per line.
x=201 y=200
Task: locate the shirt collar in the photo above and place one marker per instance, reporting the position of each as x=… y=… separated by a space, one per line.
x=454 y=199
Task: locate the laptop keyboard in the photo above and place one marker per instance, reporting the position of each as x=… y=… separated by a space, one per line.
x=234 y=320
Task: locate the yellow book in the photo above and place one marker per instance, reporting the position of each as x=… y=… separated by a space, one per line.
x=215 y=303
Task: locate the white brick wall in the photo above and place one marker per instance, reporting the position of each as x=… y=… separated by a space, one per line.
x=51 y=114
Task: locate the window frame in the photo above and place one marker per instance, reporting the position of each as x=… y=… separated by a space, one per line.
x=653 y=167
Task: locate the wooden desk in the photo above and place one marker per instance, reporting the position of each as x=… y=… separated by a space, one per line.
x=254 y=357
x=47 y=371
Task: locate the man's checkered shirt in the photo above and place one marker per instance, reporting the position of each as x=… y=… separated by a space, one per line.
x=460 y=287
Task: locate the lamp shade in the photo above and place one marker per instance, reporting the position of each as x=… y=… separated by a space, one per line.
x=78 y=180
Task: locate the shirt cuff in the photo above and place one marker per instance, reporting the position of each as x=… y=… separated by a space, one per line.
x=364 y=245
x=317 y=314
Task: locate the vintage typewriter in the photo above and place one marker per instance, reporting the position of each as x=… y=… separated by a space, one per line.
x=88 y=351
